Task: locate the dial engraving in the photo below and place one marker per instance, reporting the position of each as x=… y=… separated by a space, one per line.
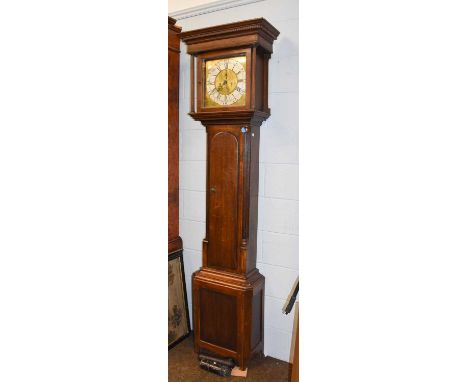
x=225 y=82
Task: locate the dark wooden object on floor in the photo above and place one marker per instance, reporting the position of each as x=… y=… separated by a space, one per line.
x=174 y=242
x=228 y=291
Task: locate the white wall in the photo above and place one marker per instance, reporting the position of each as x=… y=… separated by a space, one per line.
x=278 y=235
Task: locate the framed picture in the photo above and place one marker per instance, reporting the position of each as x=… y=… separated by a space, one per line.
x=178 y=318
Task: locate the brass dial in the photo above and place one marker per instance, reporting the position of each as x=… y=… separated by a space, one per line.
x=225 y=82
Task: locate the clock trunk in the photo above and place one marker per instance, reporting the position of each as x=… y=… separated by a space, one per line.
x=232 y=197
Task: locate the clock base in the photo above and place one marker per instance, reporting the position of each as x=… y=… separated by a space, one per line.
x=228 y=313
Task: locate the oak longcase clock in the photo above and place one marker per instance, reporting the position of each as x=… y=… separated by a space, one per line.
x=229 y=95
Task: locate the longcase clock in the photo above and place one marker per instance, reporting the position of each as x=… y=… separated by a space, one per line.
x=229 y=96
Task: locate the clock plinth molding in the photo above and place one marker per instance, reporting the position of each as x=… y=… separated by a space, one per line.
x=228 y=290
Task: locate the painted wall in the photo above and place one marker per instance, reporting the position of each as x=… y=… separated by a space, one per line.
x=278 y=235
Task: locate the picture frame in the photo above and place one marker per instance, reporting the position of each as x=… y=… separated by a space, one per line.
x=178 y=313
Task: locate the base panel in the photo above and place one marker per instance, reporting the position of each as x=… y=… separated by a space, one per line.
x=228 y=314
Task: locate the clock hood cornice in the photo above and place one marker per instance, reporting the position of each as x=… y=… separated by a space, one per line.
x=255 y=32
x=248 y=117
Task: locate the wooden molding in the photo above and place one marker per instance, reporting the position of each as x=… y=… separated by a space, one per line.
x=242 y=33
x=247 y=117
x=171 y=24
x=242 y=281
x=175 y=245
x=214 y=6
